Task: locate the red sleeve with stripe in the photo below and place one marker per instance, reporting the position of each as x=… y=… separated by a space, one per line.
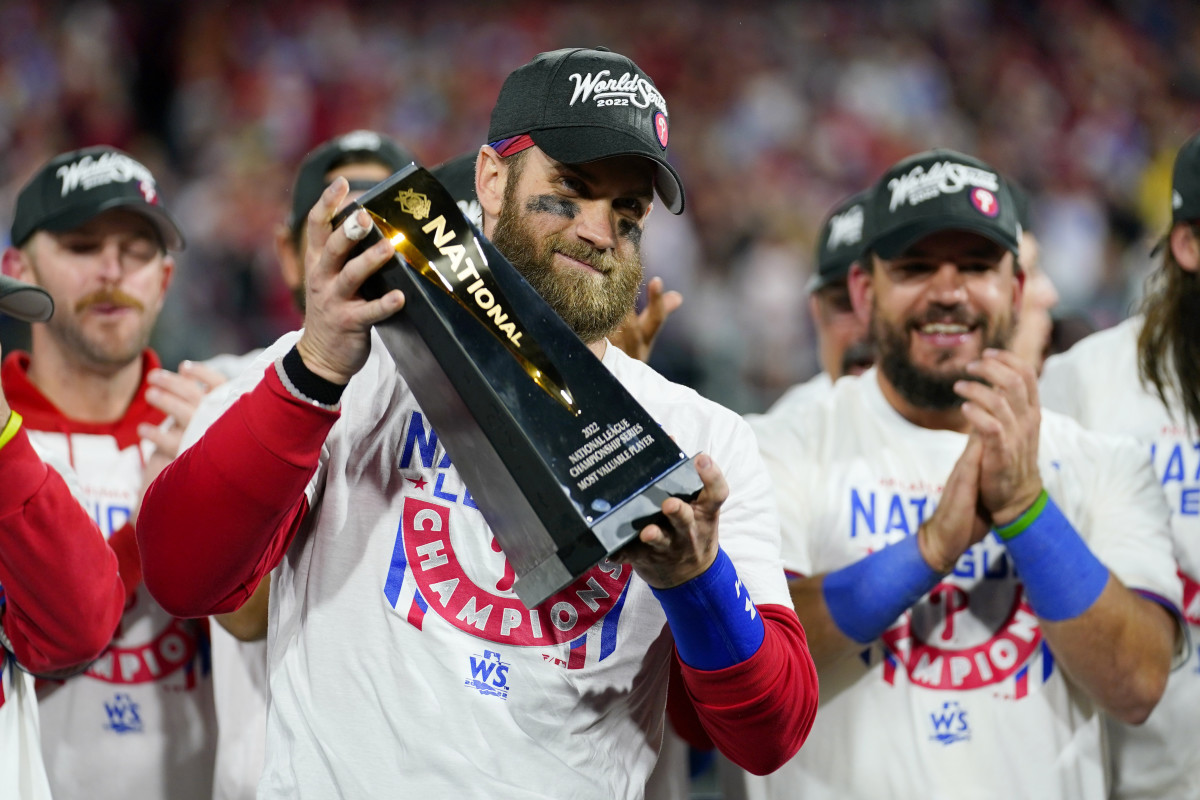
x=223 y=513
x=758 y=712
x=64 y=597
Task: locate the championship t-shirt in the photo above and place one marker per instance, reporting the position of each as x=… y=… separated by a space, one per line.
x=1097 y=383
x=961 y=694
x=401 y=662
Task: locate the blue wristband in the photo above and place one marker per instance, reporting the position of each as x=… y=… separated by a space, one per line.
x=1062 y=577
x=866 y=597
x=713 y=619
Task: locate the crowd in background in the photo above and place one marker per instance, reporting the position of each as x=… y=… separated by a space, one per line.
x=777 y=109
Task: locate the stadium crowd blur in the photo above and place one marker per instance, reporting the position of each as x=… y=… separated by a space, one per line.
x=778 y=110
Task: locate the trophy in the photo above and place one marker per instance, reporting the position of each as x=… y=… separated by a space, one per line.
x=564 y=464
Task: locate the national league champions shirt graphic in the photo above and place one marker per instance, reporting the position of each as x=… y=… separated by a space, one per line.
x=428 y=566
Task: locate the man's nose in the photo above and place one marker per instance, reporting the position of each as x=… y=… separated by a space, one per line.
x=596 y=226
x=110 y=261
x=948 y=286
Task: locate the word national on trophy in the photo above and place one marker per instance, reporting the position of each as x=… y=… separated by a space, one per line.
x=565 y=466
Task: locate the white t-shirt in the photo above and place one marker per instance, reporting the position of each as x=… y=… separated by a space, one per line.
x=239 y=668
x=960 y=695
x=22 y=773
x=800 y=395
x=139 y=722
x=401 y=662
x=1097 y=383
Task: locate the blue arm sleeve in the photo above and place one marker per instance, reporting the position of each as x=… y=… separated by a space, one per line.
x=713 y=619
x=867 y=596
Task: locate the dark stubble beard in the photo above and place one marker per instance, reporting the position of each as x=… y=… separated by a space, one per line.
x=592 y=305
x=924 y=388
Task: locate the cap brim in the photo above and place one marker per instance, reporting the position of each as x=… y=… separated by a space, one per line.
x=818 y=282
x=580 y=144
x=893 y=243
x=168 y=228
x=24 y=301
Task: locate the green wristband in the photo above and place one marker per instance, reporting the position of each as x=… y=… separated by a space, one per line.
x=1015 y=528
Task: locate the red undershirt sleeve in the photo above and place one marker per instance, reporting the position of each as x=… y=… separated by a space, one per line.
x=758 y=712
x=123 y=542
x=63 y=596
x=223 y=513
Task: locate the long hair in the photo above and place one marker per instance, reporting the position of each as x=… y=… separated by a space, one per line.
x=1169 y=344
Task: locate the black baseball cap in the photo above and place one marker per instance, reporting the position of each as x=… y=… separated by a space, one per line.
x=1185 y=188
x=935 y=191
x=1185 y=182
x=580 y=105
x=841 y=241
x=76 y=186
x=24 y=300
x=354 y=146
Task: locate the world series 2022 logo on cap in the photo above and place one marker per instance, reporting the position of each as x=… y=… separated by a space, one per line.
x=627 y=90
x=944 y=177
x=88 y=173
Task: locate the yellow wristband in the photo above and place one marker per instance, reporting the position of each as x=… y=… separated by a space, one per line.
x=10 y=428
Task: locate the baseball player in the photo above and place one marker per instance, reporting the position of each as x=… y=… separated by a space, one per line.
x=980 y=580
x=389 y=676
x=1139 y=378
x=90 y=228
x=60 y=594
x=239 y=652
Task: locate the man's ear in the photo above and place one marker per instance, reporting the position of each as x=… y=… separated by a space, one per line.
x=291 y=262
x=1184 y=246
x=862 y=292
x=490 y=176
x=168 y=272
x=15 y=264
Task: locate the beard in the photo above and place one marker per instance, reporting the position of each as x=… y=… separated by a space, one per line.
x=592 y=305
x=926 y=388
x=100 y=351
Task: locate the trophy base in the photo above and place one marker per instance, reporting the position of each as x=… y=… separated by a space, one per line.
x=608 y=534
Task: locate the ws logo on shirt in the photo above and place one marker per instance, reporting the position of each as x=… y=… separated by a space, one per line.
x=949 y=724
x=123 y=716
x=489 y=675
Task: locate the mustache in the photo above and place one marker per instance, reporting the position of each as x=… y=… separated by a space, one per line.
x=603 y=261
x=109 y=297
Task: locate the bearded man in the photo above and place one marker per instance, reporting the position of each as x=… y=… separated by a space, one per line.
x=371 y=697
x=978 y=579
